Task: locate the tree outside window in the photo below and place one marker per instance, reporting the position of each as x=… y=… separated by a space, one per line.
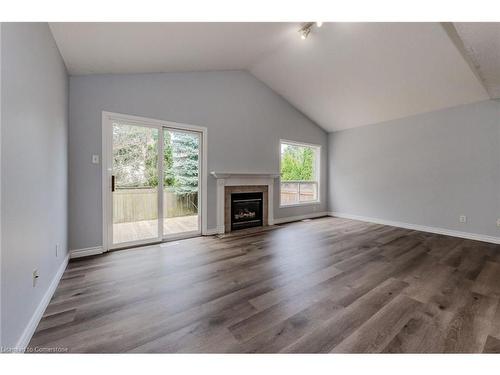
x=299 y=173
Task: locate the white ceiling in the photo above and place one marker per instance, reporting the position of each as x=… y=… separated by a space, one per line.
x=89 y=48
x=344 y=75
x=353 y=74
x=482 y=43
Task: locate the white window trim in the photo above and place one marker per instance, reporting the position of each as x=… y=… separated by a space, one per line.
x=317 y=172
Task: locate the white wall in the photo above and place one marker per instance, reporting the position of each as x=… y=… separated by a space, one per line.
x=34 y=172
x=245 y=121
x=427 y=169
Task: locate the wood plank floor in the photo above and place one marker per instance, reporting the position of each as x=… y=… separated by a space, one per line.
x=320 y=286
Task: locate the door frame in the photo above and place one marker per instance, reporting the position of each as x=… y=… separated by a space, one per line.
x=106 y=162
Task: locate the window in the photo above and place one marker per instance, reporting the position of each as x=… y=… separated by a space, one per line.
x=299 y=171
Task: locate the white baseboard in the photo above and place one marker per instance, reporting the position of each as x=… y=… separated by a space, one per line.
x=290 y=219
x=25 y=338
x=86 y=252
x=422 y=228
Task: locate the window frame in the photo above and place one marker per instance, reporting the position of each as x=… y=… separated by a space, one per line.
x=317 y=170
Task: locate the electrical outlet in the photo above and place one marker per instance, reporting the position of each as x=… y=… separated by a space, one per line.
x=35 y=277
x=95 y=159
x=462 y=219
x=498 y=223
x=58 y=247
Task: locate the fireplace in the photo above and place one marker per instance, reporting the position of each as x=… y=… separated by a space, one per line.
x=246 y=210
x=236 y=192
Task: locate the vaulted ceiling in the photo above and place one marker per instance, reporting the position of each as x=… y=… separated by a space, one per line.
x=342 y=76
x=482 y=45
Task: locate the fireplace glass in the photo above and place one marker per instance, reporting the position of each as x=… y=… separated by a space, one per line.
x=246 y=210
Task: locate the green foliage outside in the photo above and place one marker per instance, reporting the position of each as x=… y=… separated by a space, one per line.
x=297 y=163
x=183 y=175
x=135 y=158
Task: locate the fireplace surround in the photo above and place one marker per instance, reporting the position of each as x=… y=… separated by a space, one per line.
x=228 y=183
x=235 y=191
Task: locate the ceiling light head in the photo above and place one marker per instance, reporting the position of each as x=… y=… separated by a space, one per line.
x=319 y=24
x=305 y=30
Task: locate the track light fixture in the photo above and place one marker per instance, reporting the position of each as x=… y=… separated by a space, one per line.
x=306 y=28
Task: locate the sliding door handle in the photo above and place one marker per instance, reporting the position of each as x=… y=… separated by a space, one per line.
x=112 y=183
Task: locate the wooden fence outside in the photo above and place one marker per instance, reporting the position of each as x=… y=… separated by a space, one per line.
x=141 y=204
x=293 y=192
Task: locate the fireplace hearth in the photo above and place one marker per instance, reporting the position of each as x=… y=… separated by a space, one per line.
x=246 y=210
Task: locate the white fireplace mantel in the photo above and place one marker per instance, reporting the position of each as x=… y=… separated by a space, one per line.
x=242 y=179
x=225 y=175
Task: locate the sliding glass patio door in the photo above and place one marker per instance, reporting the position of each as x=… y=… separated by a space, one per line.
x=154 y=183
